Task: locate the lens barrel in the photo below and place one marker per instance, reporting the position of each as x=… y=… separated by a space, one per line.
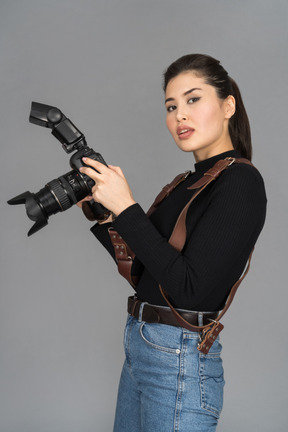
x=61 y=193
x=57 y=196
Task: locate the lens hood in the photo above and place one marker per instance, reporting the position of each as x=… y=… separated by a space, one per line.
x=33 y=209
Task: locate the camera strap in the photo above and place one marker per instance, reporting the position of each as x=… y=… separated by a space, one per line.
x=125 y=256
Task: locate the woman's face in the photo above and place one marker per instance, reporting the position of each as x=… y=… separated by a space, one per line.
x=196 y=117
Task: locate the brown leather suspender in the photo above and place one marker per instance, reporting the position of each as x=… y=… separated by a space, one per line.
x=167 y=190
x=178 y=236
x=125 y=256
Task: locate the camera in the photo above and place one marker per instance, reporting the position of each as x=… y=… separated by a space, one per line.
x=62 y=193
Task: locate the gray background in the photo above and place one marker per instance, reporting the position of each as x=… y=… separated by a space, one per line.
x=101 y=63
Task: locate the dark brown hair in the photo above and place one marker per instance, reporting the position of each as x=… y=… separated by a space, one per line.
x=216 y=76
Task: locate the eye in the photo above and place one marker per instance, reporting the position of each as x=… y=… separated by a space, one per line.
x=171 y=108
x=193 y=100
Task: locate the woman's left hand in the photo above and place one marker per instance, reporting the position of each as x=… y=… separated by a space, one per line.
x=111 y=188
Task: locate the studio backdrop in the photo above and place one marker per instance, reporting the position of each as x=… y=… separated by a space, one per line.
x=101 y=63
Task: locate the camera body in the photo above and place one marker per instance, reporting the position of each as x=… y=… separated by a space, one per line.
x=60 y=194
x=76 y=159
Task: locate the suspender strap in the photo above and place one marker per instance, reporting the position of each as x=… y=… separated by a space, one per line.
x=178 y=239
x=125 y=256
x=178 y=236
x=167 y=190
x=232 y=293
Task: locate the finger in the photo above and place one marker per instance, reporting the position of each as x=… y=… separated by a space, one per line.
x=87 y=198
x=117 y=169
x=101 y=168
x=90 y=172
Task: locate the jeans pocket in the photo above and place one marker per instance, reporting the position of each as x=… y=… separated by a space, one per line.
x=161 y=337
x=211 y=382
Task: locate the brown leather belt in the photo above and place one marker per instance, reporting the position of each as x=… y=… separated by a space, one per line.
x=164 y=315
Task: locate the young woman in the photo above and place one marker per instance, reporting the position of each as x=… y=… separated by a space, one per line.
x=166 y=383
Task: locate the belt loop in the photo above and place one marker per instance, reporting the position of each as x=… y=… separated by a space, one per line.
x=135 y=302
x=200 y=318
x=141 y=311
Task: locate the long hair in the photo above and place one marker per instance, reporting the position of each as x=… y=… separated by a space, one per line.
x=215 y=75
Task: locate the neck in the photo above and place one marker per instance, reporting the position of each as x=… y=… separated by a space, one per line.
x=204 y=154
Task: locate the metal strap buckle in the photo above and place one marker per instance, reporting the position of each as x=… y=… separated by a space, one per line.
x=231 y=159
x=209 y=336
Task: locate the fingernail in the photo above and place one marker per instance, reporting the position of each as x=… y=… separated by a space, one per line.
x=84 y=158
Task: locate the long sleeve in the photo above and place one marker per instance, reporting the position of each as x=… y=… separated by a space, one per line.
x=223 y=224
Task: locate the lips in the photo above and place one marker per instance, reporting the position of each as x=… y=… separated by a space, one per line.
x=184 y=132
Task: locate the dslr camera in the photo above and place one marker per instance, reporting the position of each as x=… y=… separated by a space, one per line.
x=62 y=193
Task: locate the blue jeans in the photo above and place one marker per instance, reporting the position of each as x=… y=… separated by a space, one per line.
x=166 y=383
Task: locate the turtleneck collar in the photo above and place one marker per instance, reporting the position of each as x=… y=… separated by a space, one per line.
x=206 y=164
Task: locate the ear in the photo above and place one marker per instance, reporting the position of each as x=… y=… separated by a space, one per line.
x=230 y=106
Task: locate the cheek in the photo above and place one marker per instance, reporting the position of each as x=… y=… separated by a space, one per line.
x=170 y=124
x=210 y=116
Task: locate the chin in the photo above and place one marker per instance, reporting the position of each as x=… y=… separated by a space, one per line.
x=188 y=148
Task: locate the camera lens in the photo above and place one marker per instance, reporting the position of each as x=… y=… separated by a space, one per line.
x=60 y=194
x=57 y=196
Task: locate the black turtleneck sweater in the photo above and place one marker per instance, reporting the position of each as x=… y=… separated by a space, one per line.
x=223 y=224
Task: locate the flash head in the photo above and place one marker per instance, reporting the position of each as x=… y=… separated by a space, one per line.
x=62 y=128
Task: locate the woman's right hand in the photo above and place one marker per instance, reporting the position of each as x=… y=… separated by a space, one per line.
x=87 y=198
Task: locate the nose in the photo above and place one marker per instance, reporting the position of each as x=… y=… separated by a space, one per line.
x=181 y=115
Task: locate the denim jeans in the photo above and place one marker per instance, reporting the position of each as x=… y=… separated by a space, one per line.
x=166 y=383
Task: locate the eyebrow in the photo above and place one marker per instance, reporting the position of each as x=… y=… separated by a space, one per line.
x=185 y=94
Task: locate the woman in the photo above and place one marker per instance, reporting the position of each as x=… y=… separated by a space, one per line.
x=166 y=383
